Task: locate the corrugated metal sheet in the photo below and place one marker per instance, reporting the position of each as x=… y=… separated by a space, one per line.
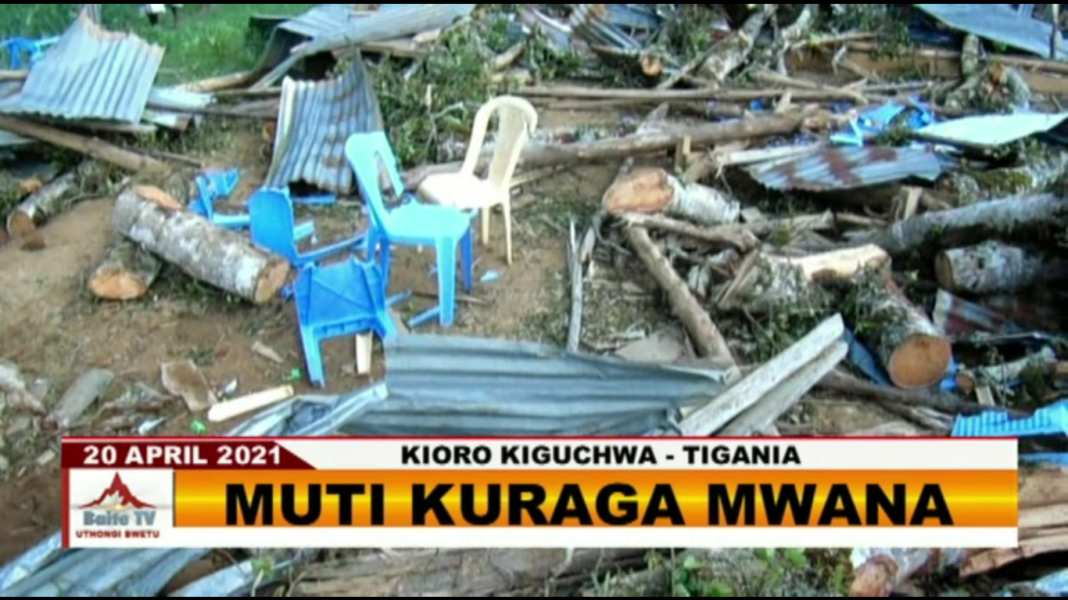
x=326 y=19
x=315 y=119
x=90 y=74
x=593 y=22
x=999 y=23
x=395 y=22
x=989 y=131
x=847 y=168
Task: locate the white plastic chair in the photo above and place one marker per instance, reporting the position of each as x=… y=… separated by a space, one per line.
x=517 y=120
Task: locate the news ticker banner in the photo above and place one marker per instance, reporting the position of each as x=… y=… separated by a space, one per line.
x=595 y=492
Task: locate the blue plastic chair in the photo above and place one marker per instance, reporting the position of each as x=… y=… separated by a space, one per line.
x=34 y=49
x=212 y=186
x=273 y=226
x=412 y=223
x=344 y=298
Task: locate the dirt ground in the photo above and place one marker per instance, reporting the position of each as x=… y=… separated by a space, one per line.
x=54 y=330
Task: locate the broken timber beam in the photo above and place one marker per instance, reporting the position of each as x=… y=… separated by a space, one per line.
x=654 y=190
x=735 y=236
x=747 y=392
x=214 y=255
x=92 y=147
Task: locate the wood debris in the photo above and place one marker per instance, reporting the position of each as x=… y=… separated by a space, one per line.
x=183 y=379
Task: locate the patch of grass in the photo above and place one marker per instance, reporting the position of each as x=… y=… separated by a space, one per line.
x=204 y=45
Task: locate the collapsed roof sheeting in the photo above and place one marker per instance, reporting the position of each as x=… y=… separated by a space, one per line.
x=847 y=168
x=999 y=23
x=90 y=74
x=314 y=121
x=990 y=131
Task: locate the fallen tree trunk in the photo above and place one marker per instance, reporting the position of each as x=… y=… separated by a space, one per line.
x=642 y=96
x=1036 y=177
x=52 y=199
x=79 y=397
x=653 y=190
x=706 y=337
x=992 y=267
x=765 y=282
x=1005 y=373
x=92 y=147
x=126 y=273
x=950 y=228
x=214 y=255
x=913 y=350
x=748 y=391
x=547 y=155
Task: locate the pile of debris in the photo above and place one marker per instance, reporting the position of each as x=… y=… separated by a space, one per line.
x=916 y=279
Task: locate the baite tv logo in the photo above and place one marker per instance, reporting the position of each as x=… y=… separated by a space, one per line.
x=115 y=510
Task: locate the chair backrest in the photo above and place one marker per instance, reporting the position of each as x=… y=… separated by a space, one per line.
x=349 y=292
x=272 y=223
x=368 y=154
x=516 y=121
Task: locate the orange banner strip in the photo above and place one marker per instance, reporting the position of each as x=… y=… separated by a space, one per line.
x=596 y=498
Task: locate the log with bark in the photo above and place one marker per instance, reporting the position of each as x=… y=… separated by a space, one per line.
x=771 y=388
x=126 y=272
x=969 y=380
x=735 y=236
x=1038 y=176
x=654 y=141
x=992 y=267
x=765 y=282
x=92 y=147
x=951 y=228
x=654 y=190
x=53 y=198
x=852 y=388
x=913 y=351
x=707 y=338
x=79 y=397
x=217 y=256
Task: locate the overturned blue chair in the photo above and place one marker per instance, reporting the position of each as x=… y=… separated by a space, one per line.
x=341 y=299
x=212 y=186
x=33 y=49
x=274 y=227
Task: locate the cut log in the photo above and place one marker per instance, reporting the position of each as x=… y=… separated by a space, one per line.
x=951 y=228
x=218 y=83
x=79 y=397
x=707 y=339
x=13 y=392
x=50 y=200
x=1036 y=177
x=765 y=282
x=222 y=258
x=993 y=267
x=913 y=350
x=91 y=147
x=879 y=571
x=985 y=562
x=126 y=273
x=645 y=96
x=1002 y=374
x=652 y=191
x=751 y=389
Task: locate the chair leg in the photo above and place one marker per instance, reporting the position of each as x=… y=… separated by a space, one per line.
x=364 y=348
x=506 y=207
x=385 y=261
x=313 y=359
x=485 y=217
x=467 y=260
x=446 y=280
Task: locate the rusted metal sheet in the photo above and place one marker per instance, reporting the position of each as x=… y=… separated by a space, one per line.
x=90 y=73
x=847 y=168
x=314 y=120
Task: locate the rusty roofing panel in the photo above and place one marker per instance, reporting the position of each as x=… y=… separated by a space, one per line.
x=847 y=168
x=314 y=120
x=90 y=73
